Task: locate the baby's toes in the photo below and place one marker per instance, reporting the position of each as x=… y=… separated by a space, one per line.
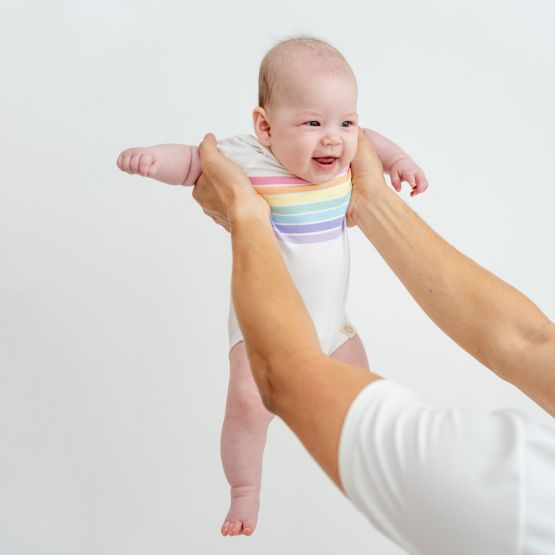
x=248 y=527
x=236 y=528
x=226 y=527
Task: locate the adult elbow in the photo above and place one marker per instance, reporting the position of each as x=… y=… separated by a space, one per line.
x=280 y=386
x=264 y=378
x=528 y=351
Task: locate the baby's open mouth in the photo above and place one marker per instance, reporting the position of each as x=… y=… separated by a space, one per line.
x=325 y=160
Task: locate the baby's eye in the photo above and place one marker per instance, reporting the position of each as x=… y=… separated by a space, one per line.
x=312 y=123
x=347 y=123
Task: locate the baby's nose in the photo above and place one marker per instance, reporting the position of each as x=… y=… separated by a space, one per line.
x=331 y=139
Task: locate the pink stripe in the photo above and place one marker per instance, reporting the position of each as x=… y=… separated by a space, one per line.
x=287 y=180
x=273 y=179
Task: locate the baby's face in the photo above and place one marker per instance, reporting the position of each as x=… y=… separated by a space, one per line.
x=314 y=125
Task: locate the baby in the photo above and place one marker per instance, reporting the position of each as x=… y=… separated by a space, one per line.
x=306 y=130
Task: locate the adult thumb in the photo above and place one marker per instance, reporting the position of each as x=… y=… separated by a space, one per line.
x=208 y=145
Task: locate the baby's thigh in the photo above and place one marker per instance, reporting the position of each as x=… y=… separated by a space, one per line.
x=352 y=352
x=242 y=387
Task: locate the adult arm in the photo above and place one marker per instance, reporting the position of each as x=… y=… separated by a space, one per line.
x=309 y=391
x=487 y=317
x=170 y=163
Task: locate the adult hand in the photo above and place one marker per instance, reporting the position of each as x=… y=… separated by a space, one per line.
x=223 y=190
x=367 y=176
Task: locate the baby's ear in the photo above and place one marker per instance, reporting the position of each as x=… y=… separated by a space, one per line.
x=262 y=126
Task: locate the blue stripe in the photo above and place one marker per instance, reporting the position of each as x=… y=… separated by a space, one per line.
x=311 y=216
x=311 y=206
x=310 y=228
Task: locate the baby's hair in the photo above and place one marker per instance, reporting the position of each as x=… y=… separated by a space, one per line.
x=284 y=53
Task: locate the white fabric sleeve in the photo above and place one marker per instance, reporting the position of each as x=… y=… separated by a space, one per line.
x=445 y=482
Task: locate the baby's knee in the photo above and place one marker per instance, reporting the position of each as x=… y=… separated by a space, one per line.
x=248 y=407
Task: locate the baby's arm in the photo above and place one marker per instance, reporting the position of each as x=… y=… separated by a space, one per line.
x=173 y=164
x=397 y=163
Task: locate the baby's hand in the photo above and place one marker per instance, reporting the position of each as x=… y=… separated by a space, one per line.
x=140 y=161
x=406 y=170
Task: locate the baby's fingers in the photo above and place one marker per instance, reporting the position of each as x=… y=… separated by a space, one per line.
x=411 y=179
x=124 y=161
x=421 y=184
x=395 y=180
x=119 y=162
x=153 y=169
x=134 y=163
x=144 y=163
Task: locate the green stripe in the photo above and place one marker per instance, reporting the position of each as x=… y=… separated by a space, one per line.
x=310 y=206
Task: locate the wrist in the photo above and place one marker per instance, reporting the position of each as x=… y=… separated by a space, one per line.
x=245 y=212
x=366 y=206
x=400 y=159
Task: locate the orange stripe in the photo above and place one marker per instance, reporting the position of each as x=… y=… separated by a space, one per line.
x=300 y=188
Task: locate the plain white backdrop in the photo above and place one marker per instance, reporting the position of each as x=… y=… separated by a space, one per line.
x=114 y=289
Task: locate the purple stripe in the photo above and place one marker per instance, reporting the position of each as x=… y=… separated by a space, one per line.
x=317 y=238
x=308 y=228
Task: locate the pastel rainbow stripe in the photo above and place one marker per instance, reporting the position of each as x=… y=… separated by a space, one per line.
x=302 y=212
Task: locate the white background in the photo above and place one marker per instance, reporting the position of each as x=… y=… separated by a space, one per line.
x=114 y=289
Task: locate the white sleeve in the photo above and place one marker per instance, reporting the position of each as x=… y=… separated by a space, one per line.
x=435 y=481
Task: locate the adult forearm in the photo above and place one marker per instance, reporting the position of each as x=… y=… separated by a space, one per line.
x=311 y=392
x=274 y=321
x=490 y=319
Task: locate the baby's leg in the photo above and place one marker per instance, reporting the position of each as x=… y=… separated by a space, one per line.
x=242 y=444
x=352 y=351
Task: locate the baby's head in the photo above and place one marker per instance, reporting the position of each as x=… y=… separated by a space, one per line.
x=307 y=113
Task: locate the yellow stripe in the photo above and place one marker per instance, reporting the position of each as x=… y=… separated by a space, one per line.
x=303 y=198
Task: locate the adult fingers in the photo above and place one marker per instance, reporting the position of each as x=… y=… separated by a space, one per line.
x=366 y=160
x=222 y=222
x=208 y=146
x=198 y=189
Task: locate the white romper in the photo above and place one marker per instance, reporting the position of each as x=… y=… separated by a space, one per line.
x=309 y=223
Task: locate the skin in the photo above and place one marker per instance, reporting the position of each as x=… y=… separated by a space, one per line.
x=176 y=164
x=279 y=327
x=312 y=116
x=311 y=119
x=312 y=393
x=487 y=317
x=245 y=443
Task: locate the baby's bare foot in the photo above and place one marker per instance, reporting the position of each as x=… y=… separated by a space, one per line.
x=243 y=512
